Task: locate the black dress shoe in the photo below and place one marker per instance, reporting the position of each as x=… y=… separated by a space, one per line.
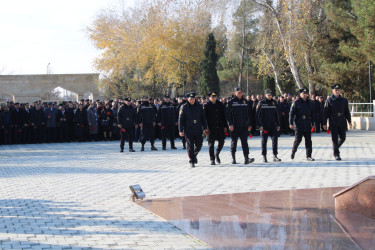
x=213 y=163
x=217 y=159
x=292 y=155
x=234 y=160
x=310 y=159
x=173 y=147
x=192 y=164
x=249 y=160
x=153 y=148
x=338 y=158
x=122 y=150
x=276 y=159
x=164 y=148
x=131 y=150
x=265 y=159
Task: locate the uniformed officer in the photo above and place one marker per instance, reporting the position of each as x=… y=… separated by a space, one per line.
x=147 y=121
x=191 y=123
x=268 y=119
x=238 y=114
x=167 y=121
x=217 y=128
x=336 y=109
x=301 y=119
x=127 y=122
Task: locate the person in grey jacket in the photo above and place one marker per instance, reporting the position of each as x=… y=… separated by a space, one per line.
x=92 y=119
x=50 y=115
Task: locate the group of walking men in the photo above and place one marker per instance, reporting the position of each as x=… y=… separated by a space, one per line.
x=217 y=120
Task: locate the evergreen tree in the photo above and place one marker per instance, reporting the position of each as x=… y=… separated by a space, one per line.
x=269 y=83
x=209 y=81
x=343 y=48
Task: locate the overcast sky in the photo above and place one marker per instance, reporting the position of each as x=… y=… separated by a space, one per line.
x=37 y=32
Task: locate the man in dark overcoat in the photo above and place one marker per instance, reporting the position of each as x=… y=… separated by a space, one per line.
x=217 y=127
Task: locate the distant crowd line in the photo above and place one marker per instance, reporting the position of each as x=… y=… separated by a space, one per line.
x=97 y=120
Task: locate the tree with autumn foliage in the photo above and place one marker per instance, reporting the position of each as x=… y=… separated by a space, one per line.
x=289 y=43
x=148 y=39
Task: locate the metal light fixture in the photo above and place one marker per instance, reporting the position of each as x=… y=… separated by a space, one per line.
x=137 y=192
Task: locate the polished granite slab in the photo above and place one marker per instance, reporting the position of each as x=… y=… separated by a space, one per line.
x=288 y=219
x=358 y=198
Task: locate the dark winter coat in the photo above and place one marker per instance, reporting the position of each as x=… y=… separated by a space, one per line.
x=216 y=122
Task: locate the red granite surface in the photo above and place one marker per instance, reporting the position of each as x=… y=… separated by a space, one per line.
x=290 y=219
x=358 y=198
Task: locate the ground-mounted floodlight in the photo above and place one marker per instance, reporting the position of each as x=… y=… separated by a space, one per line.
x=137 y=192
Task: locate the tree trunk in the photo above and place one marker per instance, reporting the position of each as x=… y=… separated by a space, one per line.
x=289 y=57
x=276 y=74
x=242 y=55
x=310 y=71
x=286 y=44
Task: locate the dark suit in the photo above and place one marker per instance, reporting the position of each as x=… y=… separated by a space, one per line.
x=50 y=115
x=5 y=125
x=63 y=125
x=215 y=114
x=18 y=121
x=81 y=123
x=38 y=120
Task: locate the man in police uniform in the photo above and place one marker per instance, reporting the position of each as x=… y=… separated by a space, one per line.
x=191 y=123
x=147 y=121
x=239 y=116
x=215 y=114
x=301 y=119
x=167 y=121
x=269 y=123
x=336 y=109
x=127 y=123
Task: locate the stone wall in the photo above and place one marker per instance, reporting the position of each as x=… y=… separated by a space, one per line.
x=29 y=88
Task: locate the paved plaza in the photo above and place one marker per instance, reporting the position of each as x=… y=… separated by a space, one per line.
x=76 y=195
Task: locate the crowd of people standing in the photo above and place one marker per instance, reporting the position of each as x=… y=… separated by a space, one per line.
x=149 y=119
